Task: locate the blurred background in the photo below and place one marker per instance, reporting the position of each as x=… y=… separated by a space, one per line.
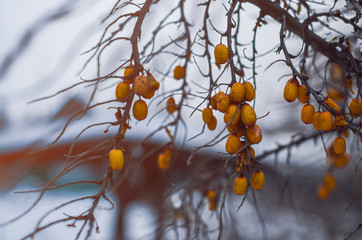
x=41 y=52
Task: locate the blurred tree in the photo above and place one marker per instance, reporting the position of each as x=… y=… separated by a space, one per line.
x=165 y=47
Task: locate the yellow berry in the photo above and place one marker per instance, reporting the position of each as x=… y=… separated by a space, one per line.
x=240 y=185
x=257 y=180
x=329 y=182
x=223 y=103
x=237 y=92
x=303 y=94
x=140 y=110
x=307 y=113
x=247 y=114
x=330 y=103
x=355 y=107
x=291 y=90
x=179 y=72
x=249 y=91
x=233 y=144
x=122 y=90
x=254 y=134
x=128 y=71
x=326 y=121
x=221 y=53
x=339 y=145
x=233 y=113
x=212 y=125
x=140 y=86
x=207 y=115
x=316 y=121
x=171 y=105
x=116 y=159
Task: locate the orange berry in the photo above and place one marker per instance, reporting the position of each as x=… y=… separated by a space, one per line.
x=140 y=110
x=221 y=53
x=179 y=72
x=254 y=134
x=149 y=94
x=291 y=90
x=323 y=192
x=355 y=107
x=140 y=86
x=212 y=125
x=232 y=128
x=247 y=114
x=330 y=103
x=128 y=71
x=339 y=145
x=218 y=95
x=207 y=115
x=257 y=180
x=326 y=121
x=233 y=113
x=223 y=103
x=237 y=92
x=329 y=182
x=249 y=91
x=340 y=122
x=307 y=114
x=153 y=84
x=233 y=144
x=122 y=90
x=212 y=205
x=171 y=105
x=163 y=161
x=303 y=94
x=116 y=159
x=316 y=121
x=211 y=194
x=212 y=102
x=340 y=161
x=240 y=185
x=244 y=155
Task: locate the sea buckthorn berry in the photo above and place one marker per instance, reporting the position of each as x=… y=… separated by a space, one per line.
x=339 y=145
x=223 y=103
x=116 y=159
x=233 y=111
x=237 y=92
x=221 y=53
x=239 y=164
x=303 y=94
x=232 y=128
x=212 y=125
x=233 y=144
x=128 y=71
x=122 y=90
x=323 y=192
x=240 y=185
x=207 y=115
x=212 y=102
x=247 y=114
x=171 y=105
x=340 y=122
x=218 y=95
x=355 y=107
x=179 y=72
x=149 y=94
x=249 y=91
x=340 y=161
x=140 y=110
x=291 y=90
x=163 y=161
x=326 y=121
x=307 y=114
x=257 y=180
x=329 y=182
x=330 y=103
x=153 y=84
x=316 y=121
x=244 y=156
x=212 y=205
x=140 y=86
x=254 y=134
x=211 y=194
